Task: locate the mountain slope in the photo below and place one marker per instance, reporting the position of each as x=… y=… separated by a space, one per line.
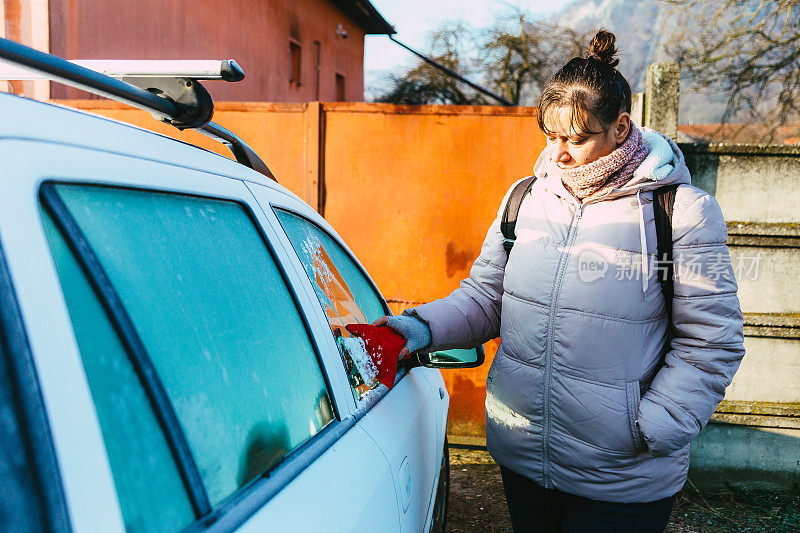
x=643 y=29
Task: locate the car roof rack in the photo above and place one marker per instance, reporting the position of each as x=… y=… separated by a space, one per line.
x=196 y=69
x=169 y=90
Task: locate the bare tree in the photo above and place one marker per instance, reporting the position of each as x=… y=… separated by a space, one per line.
x=750 y=51
x=514 y=58
x=520 y=56
x=425 y=84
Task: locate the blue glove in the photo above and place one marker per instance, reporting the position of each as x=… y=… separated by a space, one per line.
x=416 y=332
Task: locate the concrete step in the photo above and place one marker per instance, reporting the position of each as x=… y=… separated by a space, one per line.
x=745 y=455
x=766 y=263
x=760 y=414
x=772 y=325
x=752 y=183
x=764 y=234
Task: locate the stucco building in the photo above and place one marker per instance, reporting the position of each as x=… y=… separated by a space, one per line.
x=290 y=50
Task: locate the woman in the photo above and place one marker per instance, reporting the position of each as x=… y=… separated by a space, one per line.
x=591 y=427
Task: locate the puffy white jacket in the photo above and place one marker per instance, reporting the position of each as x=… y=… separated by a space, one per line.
x=576 y=398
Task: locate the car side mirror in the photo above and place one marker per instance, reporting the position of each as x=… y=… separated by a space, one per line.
x=457 y=358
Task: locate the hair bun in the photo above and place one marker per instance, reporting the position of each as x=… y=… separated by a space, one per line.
x=602 y=48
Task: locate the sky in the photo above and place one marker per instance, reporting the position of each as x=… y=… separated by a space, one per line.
x=415 y=19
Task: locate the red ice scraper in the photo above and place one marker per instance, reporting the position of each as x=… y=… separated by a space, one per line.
x=383 y=345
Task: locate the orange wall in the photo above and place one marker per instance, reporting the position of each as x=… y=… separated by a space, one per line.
x=275 y=131
x=256 y=33
x=411 y=189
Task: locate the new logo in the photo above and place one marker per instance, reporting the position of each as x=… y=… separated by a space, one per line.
x=591 y=266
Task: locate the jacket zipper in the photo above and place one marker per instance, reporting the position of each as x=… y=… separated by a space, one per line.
x=573 y=231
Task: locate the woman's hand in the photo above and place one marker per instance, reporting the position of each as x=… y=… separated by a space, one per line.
x=384 y=321
x=415 y=331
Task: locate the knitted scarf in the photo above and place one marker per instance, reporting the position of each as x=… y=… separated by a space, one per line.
x=613 y=170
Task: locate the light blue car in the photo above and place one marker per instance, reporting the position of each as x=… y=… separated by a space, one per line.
x=173 y=350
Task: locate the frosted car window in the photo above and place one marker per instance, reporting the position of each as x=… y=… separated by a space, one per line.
x=341 y=287
x=345 y=294
x=217 y=319
x=136 y=447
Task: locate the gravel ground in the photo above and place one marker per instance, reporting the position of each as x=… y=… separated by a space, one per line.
x=477 y=503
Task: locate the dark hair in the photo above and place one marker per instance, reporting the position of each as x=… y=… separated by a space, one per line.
x=590 y=87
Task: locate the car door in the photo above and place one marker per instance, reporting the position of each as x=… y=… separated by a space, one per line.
x=405 y=421
x=176 y=354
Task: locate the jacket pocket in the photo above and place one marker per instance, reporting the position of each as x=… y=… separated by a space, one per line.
x=634 y=396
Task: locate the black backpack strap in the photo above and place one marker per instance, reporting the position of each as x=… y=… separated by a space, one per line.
x=663 y=203
x=509 y=223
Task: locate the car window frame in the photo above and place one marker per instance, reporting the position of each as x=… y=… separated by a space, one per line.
x=90 y=166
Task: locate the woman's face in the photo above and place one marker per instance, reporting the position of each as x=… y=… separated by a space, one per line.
x=572 y=150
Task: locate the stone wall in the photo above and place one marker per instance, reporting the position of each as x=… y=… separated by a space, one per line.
x=756 y=186
x=754 y=436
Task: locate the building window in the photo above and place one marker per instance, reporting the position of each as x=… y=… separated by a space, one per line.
x=339 y=87
x=294 y=62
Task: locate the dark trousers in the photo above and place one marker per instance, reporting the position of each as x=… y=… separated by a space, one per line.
x=536 y=509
